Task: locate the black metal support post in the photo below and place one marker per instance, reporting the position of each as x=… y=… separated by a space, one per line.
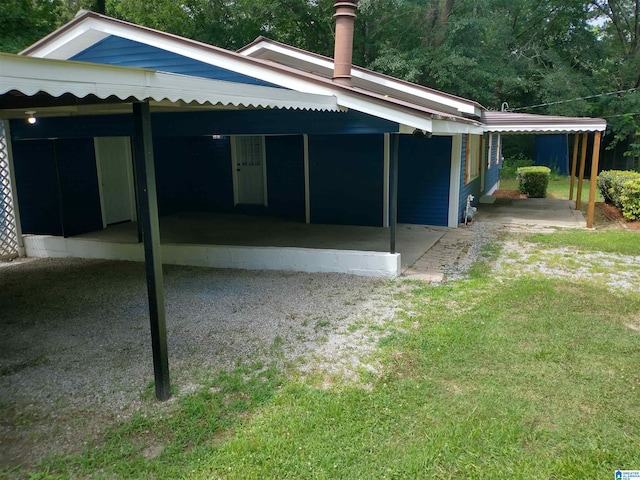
x=393 y=193
x=146 y=192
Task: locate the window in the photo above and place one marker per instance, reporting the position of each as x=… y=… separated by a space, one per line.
x=473 y=155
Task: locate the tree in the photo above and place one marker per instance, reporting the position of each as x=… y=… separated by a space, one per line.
x=22 y=22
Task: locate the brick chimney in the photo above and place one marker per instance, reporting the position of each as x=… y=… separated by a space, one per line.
x=343 y=53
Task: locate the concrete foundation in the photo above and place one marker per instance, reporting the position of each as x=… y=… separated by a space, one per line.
x=253 y=243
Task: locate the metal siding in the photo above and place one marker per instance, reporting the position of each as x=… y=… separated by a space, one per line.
x=120 y=51
x=193 y=174
x=552 y=151
x=346 y=179
x=472 y=188
x=81 y=211
x=189 y=124
x=424 y=180
x=285 y=176
x=37 y=187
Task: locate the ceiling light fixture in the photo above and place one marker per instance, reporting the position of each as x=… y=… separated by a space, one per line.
x=31 y=119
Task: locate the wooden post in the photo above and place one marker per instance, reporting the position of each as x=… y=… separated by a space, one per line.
x=574 y=164
x=592 y=179
x=146 y=186
x=393 y=194
x=583 y=159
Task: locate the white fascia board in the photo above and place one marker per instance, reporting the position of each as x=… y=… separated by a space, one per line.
x=417 y=92
x=447 y=127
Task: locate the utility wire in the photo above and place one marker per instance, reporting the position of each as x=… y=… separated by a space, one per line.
x=574 y=99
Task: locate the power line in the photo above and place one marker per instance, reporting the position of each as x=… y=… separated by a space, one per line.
x=618 y=92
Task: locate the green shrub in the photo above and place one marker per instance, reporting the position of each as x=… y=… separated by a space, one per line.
x=605 y=182
x=511 y=165
x=630 y=199
x=533 y=181
x=621 y=187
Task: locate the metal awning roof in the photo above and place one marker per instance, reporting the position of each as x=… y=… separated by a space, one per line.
x=29 y=82
x=510 y=122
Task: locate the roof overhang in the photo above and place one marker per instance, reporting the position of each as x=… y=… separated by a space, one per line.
x=524 y=123
x=29 y=82
x=266 y=49
x=89 y=27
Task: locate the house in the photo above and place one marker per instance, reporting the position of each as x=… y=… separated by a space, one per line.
x=110 y=124
x=304 y=165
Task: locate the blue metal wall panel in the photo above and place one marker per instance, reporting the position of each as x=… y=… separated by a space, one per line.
x=37 y=187
x=552 y=151
x=190 y=124
x=81 y=211
x=473 y=187
x=346 y=179
x=285 y=176
x=193 y=174
x=424 y=171
x=120 y=51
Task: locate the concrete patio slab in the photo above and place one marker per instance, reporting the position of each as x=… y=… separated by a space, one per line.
x=544 y=212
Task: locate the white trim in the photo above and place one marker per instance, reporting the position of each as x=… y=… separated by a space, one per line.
x=307 y=193
x=550 y=128
x=388 y=84
x=449 y=127
x=385 y=187
x=455 y=179
x=14 y=189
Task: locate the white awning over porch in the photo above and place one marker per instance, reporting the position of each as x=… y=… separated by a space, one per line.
x=25 y=77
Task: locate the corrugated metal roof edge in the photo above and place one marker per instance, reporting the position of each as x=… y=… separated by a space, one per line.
x=82 y=79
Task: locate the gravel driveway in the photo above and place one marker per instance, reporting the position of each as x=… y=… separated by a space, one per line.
x=75 y=349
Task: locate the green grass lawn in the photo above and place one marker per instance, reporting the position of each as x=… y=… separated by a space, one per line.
x=486 y=378
x=559 y=187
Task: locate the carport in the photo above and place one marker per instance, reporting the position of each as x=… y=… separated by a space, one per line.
x=32 y=87
x=505 y=123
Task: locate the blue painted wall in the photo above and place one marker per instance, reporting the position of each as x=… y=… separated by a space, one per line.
x=552 y=151
x=57 y=187
x=37 y=187
x=120 y=51
x=191 y=124
x=193 y=174
x=423 y=180
x=285 y=176
x=346 y=179
x=81 y=211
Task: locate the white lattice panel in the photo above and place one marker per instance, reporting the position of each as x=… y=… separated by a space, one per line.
x=8 y=231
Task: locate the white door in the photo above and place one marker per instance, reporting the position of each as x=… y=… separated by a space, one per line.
x=249 y=169
x=115 y=175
